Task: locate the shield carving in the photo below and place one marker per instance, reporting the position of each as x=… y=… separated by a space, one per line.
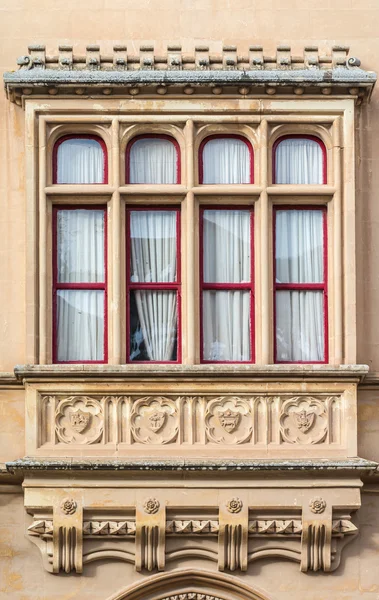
x=229 y=420
x=79 y=420
x=304 y=420
x=157 y=419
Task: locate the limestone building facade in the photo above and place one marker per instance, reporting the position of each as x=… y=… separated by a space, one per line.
x=189 y=365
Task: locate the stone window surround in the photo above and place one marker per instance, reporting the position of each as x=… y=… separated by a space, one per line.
x=189 y=121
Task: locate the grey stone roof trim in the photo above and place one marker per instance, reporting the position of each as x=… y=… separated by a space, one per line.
x=50 y=464
x=336 y=76
x=276 y=372
x=199 y=69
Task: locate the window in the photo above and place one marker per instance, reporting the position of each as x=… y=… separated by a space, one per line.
x=300 y=284
x=153 y=159
x=227 y=285
x=299 y=159
x=80 y=284
x=153 y=282
x=226 y=159
x=80 y=159
x=238 y=256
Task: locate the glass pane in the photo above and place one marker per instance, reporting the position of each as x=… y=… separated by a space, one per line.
x=80 y=246
x=226 y=326
x=226 y=246
x=153 y=326
x=153 y=246
x=299 y=246
x=80 y=160
x=299 y=326
x=153 y=160
x=80 y=325
x=226 y=160
x=299 y=160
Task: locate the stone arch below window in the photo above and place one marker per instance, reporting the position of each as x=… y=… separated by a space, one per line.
x=190 y=584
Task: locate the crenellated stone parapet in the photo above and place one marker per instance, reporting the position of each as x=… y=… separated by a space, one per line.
x=199 y=71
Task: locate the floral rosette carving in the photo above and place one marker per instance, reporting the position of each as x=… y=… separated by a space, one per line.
x=228 y=420
x=234 y=505
x=79 y=420
x=317 y=505
x=154 y=420
x=151 y=506
x=304 y=420
x=68 y=506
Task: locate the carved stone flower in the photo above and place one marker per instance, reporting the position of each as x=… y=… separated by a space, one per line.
x=68 y=506
x=234 y=505
x=317 y=505
x=151 y=506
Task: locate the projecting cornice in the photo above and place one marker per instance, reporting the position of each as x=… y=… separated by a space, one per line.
x=197 y=73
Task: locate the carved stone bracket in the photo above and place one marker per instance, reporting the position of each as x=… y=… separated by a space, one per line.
x=233 y=535
x=67 y=535
x=150 y=535
x=316 y=539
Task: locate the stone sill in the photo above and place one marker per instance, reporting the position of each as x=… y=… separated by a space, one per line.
x=355 y=373
x=360 y=465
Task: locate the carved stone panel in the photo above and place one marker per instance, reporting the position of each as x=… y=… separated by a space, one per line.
x=187 y=423
x=79 y=419
x=154 y=420
x=304 y=420
x=228 y=420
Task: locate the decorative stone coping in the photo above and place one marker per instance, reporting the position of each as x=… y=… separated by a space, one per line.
x=276 y=372
x=360 y=465
x=198 y=72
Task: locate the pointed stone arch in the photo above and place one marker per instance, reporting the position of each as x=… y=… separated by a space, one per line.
x=190 y=584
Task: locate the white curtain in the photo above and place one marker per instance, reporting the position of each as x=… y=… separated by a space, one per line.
x=153 y=160
x=153 y=259
x=80 y=259
x=80 y=160
x=226 y=259
x=299 y=259
x=80 y=325
x=226 y=160
x=299 y=160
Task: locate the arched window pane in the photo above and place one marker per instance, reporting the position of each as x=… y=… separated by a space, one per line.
x=299 y=160
x=153 y=160
x=226 y=160
x=80 y=160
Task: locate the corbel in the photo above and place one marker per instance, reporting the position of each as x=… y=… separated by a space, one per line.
x=202 y=57
x=150 y=535
x=233 y=534
x=37 y=55
x=283 y=57
x=229 y=57
x=311 y=56
x=147 y=57
x=93 y=57
x=120 y=57
x=316 y=538
x=65 y=57
x=174 y=58
x=256 y=57
x=67 y=534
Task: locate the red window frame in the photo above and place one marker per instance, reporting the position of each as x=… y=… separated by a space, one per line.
x=205 y=286
x=303 y=137
x=83 y=136
x=304 y=286
x=223 y=136
x=79 y=286
x=162 y=286
x=153 y=136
